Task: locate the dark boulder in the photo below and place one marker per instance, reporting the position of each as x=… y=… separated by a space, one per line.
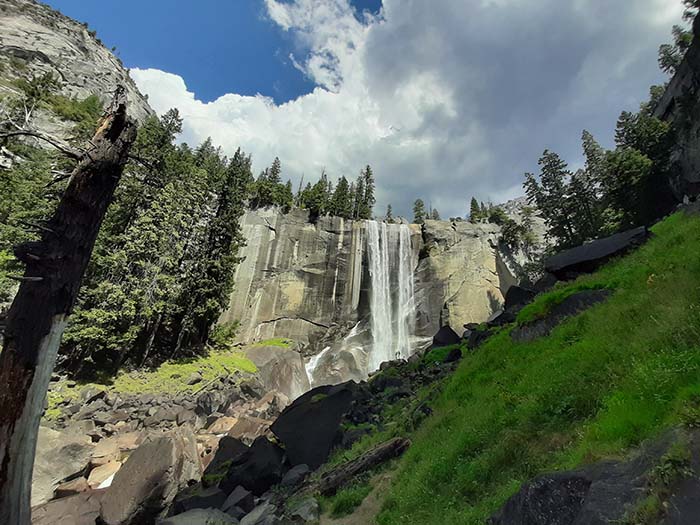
x=453 y=355
x=600 y=493
x=198 y=497
x=446 y=336
x=257 y=470
x=501 y=318
x=228 y=451
x=570 y=306
x=295 y=476
x=589 y=257
x=307 y=428
x=517 y=297
x=241 y=498
x=544 y=283
x=80 y=509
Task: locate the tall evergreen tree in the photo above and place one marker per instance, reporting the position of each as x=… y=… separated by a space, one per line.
x=367 y=200
x=419 y=211
x=389 y=217
x=474 y=210
x=341 y=204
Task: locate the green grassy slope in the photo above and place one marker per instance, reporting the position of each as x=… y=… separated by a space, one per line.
x=601 y=383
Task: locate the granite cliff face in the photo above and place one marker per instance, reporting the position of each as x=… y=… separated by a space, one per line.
x=35 y=39
x=314 y=284
x=683 y=93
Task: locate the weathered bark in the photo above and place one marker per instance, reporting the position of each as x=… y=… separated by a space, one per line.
x=38 y=315
x=332 y=480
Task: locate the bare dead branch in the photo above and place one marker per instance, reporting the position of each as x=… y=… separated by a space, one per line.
x=56 y=143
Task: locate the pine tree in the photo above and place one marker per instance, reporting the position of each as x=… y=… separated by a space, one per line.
x=341 y=204
x=474 y=211
x=389 y=217
x=435 y=214
x=419 y=211
x=359 y=196
x=367 y=200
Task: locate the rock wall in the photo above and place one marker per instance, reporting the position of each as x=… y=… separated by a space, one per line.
x=35 y=39
x=310 y=283
x=683 y=92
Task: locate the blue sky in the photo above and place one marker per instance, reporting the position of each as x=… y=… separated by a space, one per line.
x=219 y=46
x=445 y=99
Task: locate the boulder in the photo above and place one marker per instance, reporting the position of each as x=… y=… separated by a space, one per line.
x=151 y=477
x=222 y=425
x=228 y=450
x=105 y=450
x=280 y=369
x=517 y=297
x=102 y=473
x=80 y=509
x=446 y=336
x=589 y=257
x=305 y=511
x=198 y=497
x=60 y=456
x=163 y=414
x=295 y=476
x=602 y=492
x=249 y=428
x=199 y=517
x=258 y=469
x=570 y=306
x=72 y=487
x=263 y=514
x=241 y=498
x=194 y=378
x=307 y=428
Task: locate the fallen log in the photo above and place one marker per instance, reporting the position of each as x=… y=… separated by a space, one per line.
x=329 y=482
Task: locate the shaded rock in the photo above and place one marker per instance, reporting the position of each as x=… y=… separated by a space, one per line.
x=454 y=355
x=151 y=478
x=69 y=488
x=200 y=517
x=570 y=306
x=308 y=426
x=295 y=476
x=80 y=509
x=228 y=451
x=241 y=498
x=517 y=297
x=500 y=318
x=60 y=456
x=258 y=469
x=185 y=416
x=589 y=257
x=544 y=283
x=263 y=514
x=161 y=415
x=198 y=497
x=305 y=511
x=446 y=336
x=593 y=495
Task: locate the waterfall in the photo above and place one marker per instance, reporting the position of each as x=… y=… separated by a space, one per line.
x=392 y=305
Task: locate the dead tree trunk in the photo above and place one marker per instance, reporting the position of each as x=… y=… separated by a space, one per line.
x=331 y=481
x=38 y=315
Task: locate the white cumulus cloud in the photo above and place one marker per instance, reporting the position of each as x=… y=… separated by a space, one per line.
x=445 y=99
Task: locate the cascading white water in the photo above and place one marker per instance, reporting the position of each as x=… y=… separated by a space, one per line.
x=392 y=315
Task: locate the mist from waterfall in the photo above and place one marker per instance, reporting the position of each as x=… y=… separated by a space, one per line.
x=392 y=304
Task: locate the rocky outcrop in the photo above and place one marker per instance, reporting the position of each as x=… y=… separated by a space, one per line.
x=151 y=478
x=614 y=491
x=680 y=105
x=35 y=39
x=461 y=277
x=310 y=282
x=60 y=456
x=587 y=258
